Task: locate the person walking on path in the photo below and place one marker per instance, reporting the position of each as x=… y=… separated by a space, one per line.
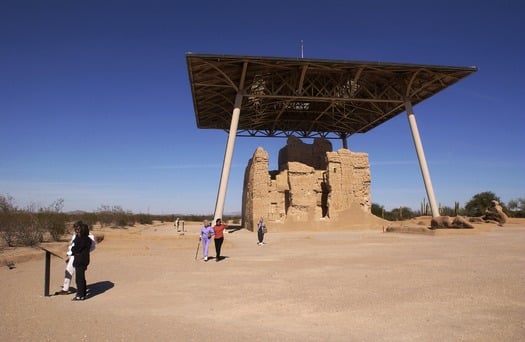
x=206 y=234
x=218 y=230
x=81 y=249
x=70 y=269
x=261 y=229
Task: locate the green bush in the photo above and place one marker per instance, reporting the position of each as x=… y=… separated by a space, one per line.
x=480 y=202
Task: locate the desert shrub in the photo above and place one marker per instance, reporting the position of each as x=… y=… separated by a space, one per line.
x=143 y=219
x=105 y=215
x=447 y=211
x=29 y=232
x=27 y=227
x=401 y=213
x=52 y=220
x=53 y=223
x=114 y=216
x=88 y=218
x=396 y=214
x=122 y=222
x=8 y=212
x=8 y=228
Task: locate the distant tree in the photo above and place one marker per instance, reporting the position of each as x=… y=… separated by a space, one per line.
x=480 y=202
x=516 y=207
x=378 y=210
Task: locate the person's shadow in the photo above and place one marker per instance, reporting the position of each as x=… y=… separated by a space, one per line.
x=233 y=229
x=217 y=259
x=99 y=287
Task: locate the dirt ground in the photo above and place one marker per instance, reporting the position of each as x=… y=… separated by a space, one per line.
x=357 y=285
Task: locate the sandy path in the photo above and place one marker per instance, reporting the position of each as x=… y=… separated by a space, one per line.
x=300 y=286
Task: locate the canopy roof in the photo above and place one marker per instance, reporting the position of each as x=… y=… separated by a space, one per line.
x=308 y=98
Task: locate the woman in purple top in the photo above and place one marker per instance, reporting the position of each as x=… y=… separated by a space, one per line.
x=206 y=235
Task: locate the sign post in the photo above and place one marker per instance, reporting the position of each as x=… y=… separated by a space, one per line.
x=47 y=269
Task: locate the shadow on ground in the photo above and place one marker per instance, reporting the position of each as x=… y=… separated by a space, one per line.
x=100 y=287
x=233 y=229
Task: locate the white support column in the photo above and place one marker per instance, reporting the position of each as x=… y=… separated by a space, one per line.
x=422 y=159
x=228 y=155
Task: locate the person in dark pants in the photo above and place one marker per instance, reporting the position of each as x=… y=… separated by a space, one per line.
x=261 y=229
x=218 y=230
x=80 y=250
x=70 y=269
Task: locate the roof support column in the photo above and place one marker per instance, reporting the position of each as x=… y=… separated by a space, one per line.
x=422 y=159
x=228 y=155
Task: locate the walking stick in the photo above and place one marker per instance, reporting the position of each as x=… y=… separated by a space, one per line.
x=197 y=252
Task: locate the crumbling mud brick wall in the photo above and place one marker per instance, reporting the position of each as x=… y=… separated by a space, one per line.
x=312 y=183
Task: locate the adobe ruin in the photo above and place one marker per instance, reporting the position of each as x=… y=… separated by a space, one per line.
x=313 y=184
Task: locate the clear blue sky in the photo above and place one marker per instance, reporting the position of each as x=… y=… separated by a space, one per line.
x=96 y=107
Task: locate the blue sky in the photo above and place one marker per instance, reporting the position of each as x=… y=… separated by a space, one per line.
x=96 y=107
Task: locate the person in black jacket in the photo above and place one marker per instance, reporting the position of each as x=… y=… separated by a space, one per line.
x=80 y=250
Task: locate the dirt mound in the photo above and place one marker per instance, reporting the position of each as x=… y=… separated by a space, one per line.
x=353 y=218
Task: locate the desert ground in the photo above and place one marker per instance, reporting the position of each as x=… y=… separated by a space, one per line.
x=360 y=284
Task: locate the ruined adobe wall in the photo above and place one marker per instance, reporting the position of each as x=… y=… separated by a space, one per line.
x=309 y=154
x=256 y=190
x=312 y=184
x=348 y=175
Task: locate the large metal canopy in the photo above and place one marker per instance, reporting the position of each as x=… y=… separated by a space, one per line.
x=308 y=98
